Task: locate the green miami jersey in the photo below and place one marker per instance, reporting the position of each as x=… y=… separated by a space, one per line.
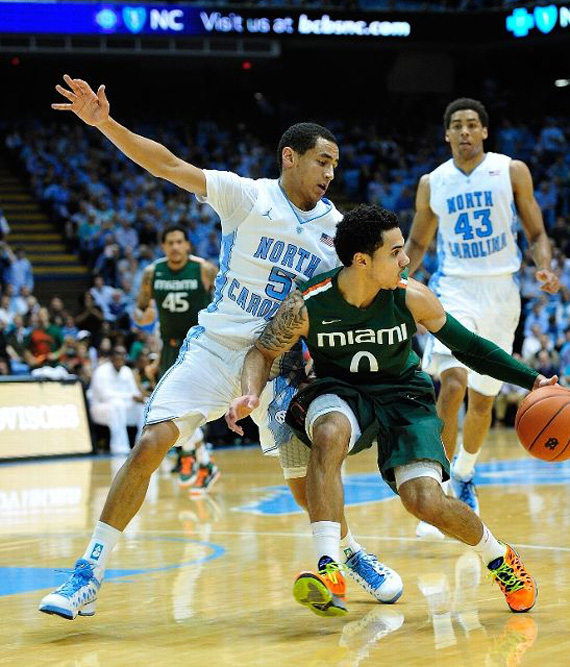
x=365 y=356
x=179 y=295
x=365 y=346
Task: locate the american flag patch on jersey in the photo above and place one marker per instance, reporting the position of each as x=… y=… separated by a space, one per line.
x=327 y=240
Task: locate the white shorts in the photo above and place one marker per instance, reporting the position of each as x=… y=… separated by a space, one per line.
x=490 y=307
x=206 y=378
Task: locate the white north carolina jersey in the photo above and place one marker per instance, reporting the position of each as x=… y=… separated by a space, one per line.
x=268 y=246
x=477 y=218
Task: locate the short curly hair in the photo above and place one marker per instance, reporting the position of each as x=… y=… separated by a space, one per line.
x=301 y=137
x=461 y=104
x=173 y=228
x=362 y=230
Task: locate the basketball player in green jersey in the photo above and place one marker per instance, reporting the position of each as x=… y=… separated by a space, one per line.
x=179 y=285
x=358 y=322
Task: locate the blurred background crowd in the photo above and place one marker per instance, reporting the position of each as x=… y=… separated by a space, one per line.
x=110 y=213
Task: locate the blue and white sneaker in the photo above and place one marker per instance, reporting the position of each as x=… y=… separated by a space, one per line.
x=76 y=596
x=377 y=579
x=464 y=490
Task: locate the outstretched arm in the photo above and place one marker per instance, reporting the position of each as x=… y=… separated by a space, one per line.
x=474 y=351
x=93 y=109
x=283 y=331
x=533 y=225
x=423 y=226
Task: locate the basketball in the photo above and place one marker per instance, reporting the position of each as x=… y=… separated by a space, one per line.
x=543 y=424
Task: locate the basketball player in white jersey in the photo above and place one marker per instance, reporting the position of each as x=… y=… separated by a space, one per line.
x=474 y=201
x=275 y=232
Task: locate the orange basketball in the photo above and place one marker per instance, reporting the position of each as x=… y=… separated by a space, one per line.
x=543 y=423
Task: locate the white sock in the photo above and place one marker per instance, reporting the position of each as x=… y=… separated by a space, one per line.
x=464 y=464
x=489 y=548
x=99 y=549
x=326 y=538
x=202 y=455
x=445 y=487
x=349 y=546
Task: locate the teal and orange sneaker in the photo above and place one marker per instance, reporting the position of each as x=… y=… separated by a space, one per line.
x=324 y=592
x=188 y=473
x=514 y=580
x=207 y=476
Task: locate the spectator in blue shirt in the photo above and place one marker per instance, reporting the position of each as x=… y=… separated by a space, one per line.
x=20 y=272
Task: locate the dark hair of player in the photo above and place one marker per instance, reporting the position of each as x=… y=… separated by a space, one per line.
x=301 y=137
x=362 y=230
x=465 y=103
x=173 y=228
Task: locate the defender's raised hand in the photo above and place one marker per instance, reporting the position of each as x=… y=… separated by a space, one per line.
x=92 y=108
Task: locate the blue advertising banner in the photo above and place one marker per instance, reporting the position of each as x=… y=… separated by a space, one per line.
x=114 y=18
x=155 y=19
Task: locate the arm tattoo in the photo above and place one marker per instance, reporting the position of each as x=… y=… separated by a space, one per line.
x=145 y=294
x=288 y=325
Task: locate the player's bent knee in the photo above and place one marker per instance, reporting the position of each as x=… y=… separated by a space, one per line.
x=152 y=446
x=422 y=497
x=454 y=384
x=331 y=435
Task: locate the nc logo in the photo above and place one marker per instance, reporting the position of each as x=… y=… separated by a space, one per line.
x=97 y=550
x=134 y=18
x=280 y=416
x=545 y=18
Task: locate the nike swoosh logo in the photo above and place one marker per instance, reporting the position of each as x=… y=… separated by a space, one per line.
x=330 y=321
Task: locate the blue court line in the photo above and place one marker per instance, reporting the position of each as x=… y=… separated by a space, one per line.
x=23 y=579
x=366 y=488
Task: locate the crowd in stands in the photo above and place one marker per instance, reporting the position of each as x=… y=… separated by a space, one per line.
x=112 y=213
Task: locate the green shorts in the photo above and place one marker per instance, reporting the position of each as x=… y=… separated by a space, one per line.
x=168 y=356
x=401 y=417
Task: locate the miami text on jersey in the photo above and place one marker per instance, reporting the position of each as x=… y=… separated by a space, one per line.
x=397 y=334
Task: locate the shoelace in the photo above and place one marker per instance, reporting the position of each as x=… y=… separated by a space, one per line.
x=371 y=562
x=332 y=570
x=506 y=577
x=79 y=577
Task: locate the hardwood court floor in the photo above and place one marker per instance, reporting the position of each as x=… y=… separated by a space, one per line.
x=208 y=581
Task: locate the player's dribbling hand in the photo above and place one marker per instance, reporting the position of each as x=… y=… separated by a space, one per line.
x=549 y=281
x=240 y=407
x=92 y=108
x=542 y=381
